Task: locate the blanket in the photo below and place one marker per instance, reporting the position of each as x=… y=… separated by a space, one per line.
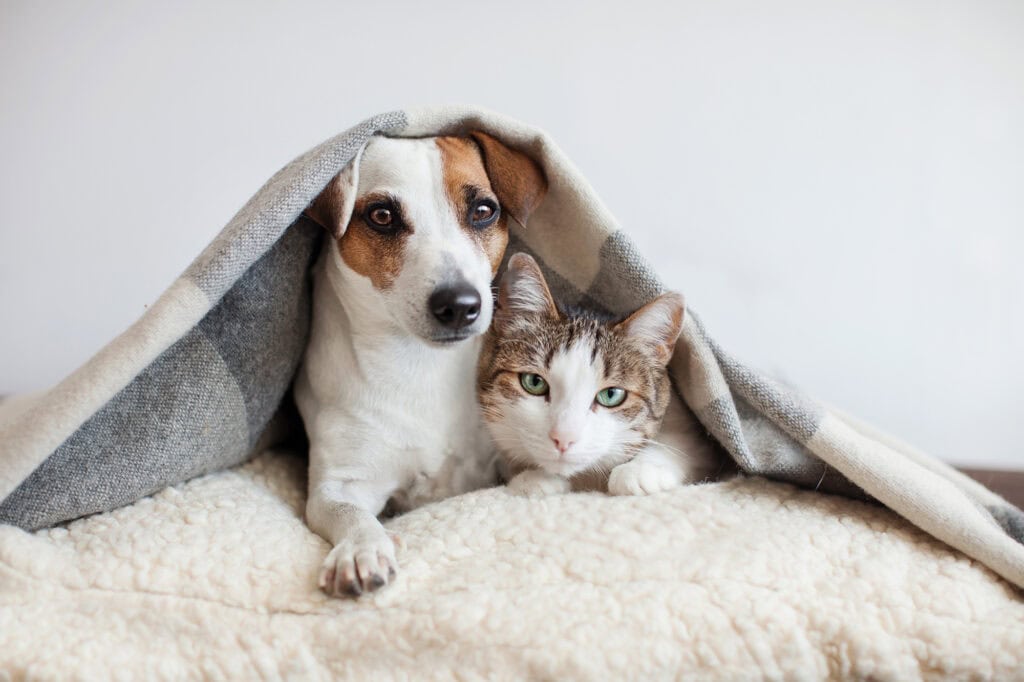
x=195 y=384
x=742 y=580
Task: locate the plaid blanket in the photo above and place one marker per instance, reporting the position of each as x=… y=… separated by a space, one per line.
x=196 y=384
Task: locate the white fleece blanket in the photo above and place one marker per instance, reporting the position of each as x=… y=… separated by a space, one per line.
x=745 y=579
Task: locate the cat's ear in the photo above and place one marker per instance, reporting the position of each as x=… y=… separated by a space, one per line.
x=658 y=324
x=523 y=291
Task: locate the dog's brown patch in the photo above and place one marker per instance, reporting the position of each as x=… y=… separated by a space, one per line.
x=367 y=251
x=517 y=179
x=326 y=209
x=463 y=169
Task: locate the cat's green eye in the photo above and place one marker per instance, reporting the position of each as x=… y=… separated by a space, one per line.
x=533 y=384
x=611 y=396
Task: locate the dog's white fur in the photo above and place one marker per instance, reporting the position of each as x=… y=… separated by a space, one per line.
x=390 y=415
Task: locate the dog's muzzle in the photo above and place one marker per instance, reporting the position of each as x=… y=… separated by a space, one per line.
x=455 y=306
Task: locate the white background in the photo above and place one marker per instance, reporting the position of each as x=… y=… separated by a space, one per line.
x=837 y=187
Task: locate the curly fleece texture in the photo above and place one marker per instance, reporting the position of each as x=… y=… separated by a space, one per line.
x=744 y=579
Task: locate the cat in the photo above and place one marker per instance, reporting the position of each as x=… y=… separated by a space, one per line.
x=573 y=400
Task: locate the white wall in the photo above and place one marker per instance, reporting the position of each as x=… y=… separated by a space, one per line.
x=837 y=187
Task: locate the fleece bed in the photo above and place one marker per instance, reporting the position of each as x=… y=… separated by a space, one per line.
x=742 y=580
x=194 y=386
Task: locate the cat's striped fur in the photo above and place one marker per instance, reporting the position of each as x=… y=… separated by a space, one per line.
x=566 y=436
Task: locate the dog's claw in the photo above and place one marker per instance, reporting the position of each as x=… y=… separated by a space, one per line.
x=356 y=568
x=326 y=577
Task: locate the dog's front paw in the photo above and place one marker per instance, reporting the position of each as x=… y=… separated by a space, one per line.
x=535 y=483
x=639 y=477
x=363 y=564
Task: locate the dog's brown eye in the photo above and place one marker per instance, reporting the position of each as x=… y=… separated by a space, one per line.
x=384 y=216
x=483 y=214
x=381 y=216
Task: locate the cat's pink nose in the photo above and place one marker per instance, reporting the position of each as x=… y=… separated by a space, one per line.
x=561 y=441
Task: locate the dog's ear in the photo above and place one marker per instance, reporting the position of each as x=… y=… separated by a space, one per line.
x=517 y=179
x=657 y=325
x=523 y=291
x=332 y=208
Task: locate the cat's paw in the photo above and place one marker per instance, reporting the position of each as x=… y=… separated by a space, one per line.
x=363 y=564
x=536 y=483
x=639 y=477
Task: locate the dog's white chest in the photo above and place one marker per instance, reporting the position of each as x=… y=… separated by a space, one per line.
x=401 y=414
x=440 y=445
x=450 y=459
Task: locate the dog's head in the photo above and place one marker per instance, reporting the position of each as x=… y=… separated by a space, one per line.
x=420 y=228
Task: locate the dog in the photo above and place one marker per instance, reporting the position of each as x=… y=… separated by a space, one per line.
x=401 y=294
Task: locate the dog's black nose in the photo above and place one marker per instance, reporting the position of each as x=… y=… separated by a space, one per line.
x=455 y=306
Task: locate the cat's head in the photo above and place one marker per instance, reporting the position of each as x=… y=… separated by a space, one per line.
x=568 y=392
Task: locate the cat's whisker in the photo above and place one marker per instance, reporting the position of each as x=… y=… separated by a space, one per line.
x=670 y=448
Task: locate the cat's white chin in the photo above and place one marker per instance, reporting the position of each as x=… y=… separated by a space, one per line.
x=565 y=468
